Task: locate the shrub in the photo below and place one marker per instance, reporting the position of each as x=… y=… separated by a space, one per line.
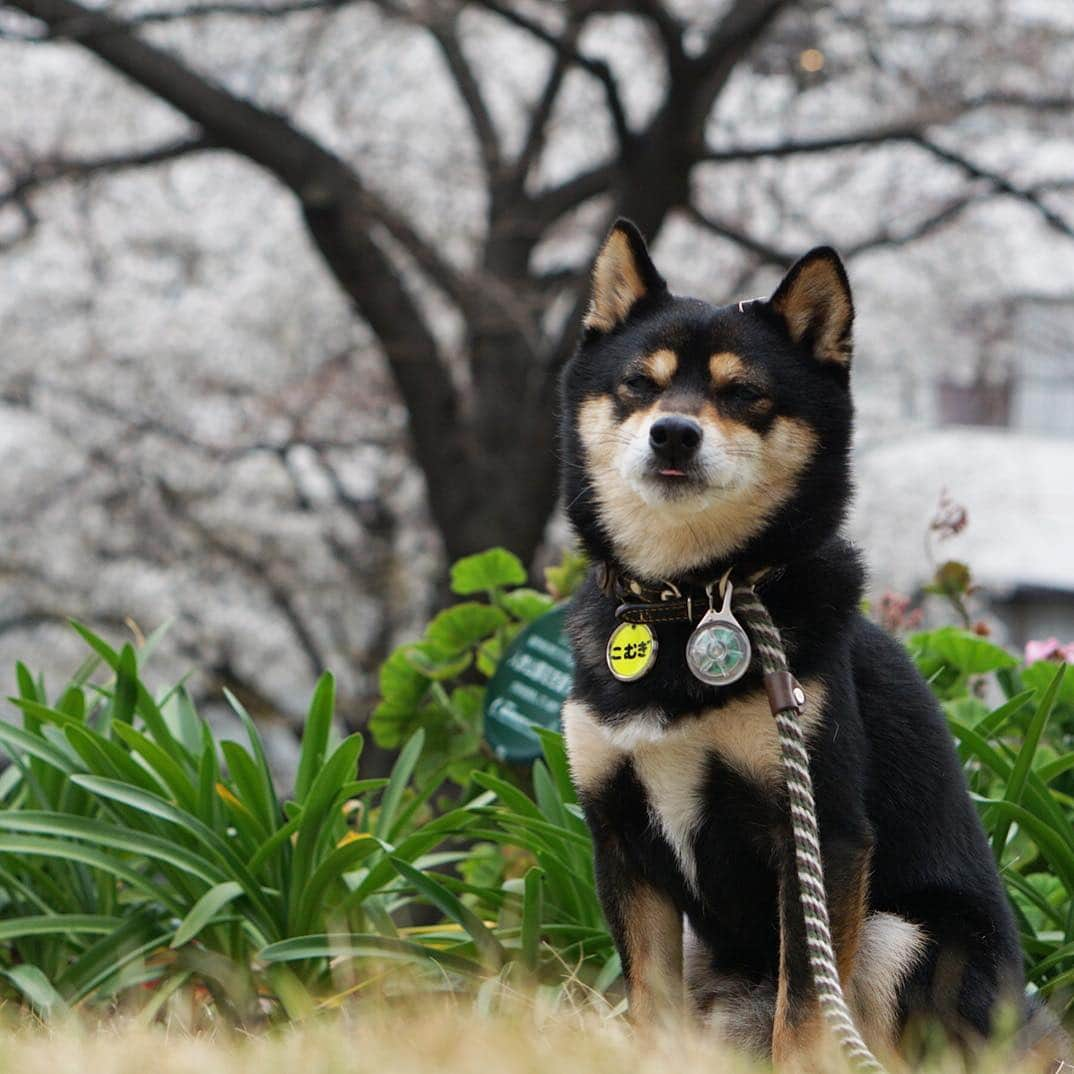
x=436 y=684
x=1018 y=771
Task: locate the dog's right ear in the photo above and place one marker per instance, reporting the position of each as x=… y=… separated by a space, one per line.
x=623 y=274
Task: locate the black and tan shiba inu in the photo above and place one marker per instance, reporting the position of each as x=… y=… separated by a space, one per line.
x=700 y=440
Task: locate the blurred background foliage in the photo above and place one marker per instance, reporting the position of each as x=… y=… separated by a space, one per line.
x=285 y=286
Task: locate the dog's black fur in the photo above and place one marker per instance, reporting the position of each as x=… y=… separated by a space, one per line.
x=900 y=835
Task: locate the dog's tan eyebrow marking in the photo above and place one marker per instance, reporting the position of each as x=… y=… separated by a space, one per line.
x=660 y=366
x=725 y=367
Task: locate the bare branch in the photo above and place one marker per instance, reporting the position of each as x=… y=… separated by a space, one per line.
x=1062 y=103
x=910 y=132
x=904 y=130
x=999 y=183
x=888 y=238
x=767 y=253
x=36 y=617
x=93 y=23
x=253 y=568
x=550 y=204
x=53 y=169
x=597 y=68
x=29 y=225
x=536 y=134
x=734 y=37
x=445 y=35
x=340 y=215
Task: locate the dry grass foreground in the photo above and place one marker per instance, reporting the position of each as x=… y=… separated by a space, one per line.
x=415 y=1039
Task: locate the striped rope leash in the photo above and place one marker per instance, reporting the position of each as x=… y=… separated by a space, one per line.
x=786 y=698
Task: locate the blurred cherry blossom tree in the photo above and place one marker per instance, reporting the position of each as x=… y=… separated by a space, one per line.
x=286 y=284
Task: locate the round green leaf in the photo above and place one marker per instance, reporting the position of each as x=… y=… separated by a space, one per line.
x=495 y=569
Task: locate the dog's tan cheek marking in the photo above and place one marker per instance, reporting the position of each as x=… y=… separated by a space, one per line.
x=603 y=436
x=788 y=449
x=661 y=366
x=889 y=949
x=654 y=947
x=593 y=759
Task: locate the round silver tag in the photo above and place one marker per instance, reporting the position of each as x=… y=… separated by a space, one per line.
x=718 y=652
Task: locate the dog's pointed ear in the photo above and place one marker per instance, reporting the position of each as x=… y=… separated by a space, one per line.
x=623 y=274
x=815 y=304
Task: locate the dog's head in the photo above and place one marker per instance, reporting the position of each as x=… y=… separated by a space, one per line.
x=701 y=436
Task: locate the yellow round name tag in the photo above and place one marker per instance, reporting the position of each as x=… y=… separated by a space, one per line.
x=631 y=651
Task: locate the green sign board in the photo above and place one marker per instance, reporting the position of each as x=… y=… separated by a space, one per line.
x=529 y=688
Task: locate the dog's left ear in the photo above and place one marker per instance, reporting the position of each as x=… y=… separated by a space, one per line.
x=623 y=275
x=815 y=304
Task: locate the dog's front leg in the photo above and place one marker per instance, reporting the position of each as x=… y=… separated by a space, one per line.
x=643 y=920
x=647 y=929
x=798 y=1032
x=648 y=934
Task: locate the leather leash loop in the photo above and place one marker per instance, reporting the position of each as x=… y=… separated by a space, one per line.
x=785 y=693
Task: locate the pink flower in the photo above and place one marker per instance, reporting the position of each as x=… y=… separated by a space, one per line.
x=895 y=614
x=1049 y=649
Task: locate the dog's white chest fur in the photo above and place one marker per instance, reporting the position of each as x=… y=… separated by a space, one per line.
x=672 y=762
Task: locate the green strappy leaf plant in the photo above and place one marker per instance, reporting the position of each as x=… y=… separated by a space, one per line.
x=137 y=849
x=143 y=857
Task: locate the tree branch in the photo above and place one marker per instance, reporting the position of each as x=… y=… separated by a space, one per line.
x=999 y=183
x=737 y=33
x=901 y=131
x=887 y=238
x=53 y=169
x=597 y=68
x=767 y=253
x=553 y=202
x=254 y=568
x=537 y=131
x=1050 y=102
x=444 y=33
x=910 y=132
x=96 y=23
x=781 y=258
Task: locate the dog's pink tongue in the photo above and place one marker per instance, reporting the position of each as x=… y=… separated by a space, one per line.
x=672 y=473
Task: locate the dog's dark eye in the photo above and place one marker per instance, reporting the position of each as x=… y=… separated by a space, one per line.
x=639 y=382
x=744 y=394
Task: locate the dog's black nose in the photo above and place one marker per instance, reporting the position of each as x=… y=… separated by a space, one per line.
x=675 y=440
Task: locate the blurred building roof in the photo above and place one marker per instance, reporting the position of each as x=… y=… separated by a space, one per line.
x=1041 y=326
x=1018 y=491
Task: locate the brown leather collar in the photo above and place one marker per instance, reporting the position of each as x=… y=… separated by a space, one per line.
x=665 y=603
